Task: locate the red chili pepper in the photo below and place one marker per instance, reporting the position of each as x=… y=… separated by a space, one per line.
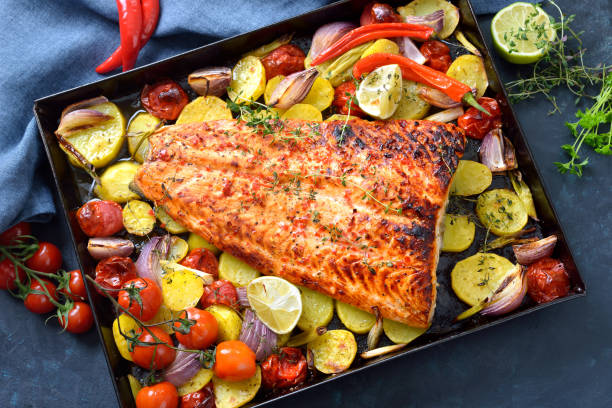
x=370 y=32
x=130 y=25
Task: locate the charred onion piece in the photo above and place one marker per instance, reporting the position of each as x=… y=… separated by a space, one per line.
x=528 y=253
x=328 y=34
x=434 y=20
x=293 y=88
x=101 y=248
x=496 y=152
x=382 y=350
x=376 y=330
x=87 y=103
x=80 y=119
x=509 y=295
x=446 y=115
x=210 y=81
x=437 y=98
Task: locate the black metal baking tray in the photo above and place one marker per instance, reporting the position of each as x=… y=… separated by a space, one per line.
x=72 y=184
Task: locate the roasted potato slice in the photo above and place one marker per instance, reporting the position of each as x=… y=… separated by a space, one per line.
x=356 y=320
x=424 y=7
x=470 y=70
x=320 y=95
x=164 y=314
x=135 y=385
x=471 y=178
x=181 y=289
x=235 y=270
x=229 y=322
x=178 y=249
x=233 y=394
x=411 y=106
x=317 y=309
x=195 y=241
x=303 y=111
x=129 y=327
x=458 y=233
x=138 y=218
x=167 y=222
x=139 y=129
x=204 y=108
x=401 y=333
x=334 y=351
x=271 y=86
x=248 y=80
x=337 y=116
x=196 y=383
x=382 y=45
x=502 y=211
x=115 y=181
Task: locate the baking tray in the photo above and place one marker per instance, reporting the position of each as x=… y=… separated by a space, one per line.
x=72 y=186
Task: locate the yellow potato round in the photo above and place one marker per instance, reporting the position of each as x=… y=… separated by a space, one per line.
x=163 y=315
x=304 y=112
x=470 y=70
x=140 y=127
x=135 y=385
x=229 y=322
x=401 y=333
x=195 y=241
x=235 y=270
x=178 y=249
x=196 y=383
x=356 y=320
x=425 y=7
x=204 y=108
x=471 y=178
x=248 y=80
x=317 y=309
x=138 y=218
x=234 y=394
x=115 y=182
x=167 y=222
x=337 y=116
x=181 y=289
x=129 y=327
x=334 y=351
x=143 y=151
x=411 y=106
x=382 y=45
x=281 y=339
x=320 y=95
x=502 y=211
x=271 y=86
x=458 y=233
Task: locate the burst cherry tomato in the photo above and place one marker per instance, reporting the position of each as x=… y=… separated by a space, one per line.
x=164 y=99
x=547 y=280
x=76 y=287
x=204 y=398
x=112 y=273
x=100 y=218
x=374 y=13
x=7 y=275
x=342 y=95
x=160 y=395
x=476 y=124
x=440 y=63
x=220 y=292
x=80 y=318
x=40 y=303
x=437 y=54
x=47 y=258
x=155 y=356
x=9 y=236
x=150 y=298
x=285 y=369
x=204 y=331
x=234 y=361
x=203 y=260
x=284 y=60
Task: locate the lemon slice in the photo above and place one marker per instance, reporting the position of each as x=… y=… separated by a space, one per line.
x=276 y=302
x=379 y=94
x=521 y=33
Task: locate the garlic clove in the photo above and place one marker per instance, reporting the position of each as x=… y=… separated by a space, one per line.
x=497 y=152
x=210 y=81
x=293 y=88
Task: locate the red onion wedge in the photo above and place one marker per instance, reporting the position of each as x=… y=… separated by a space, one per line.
x=434 y=20
x=529 y=253
x=243 y=300
x=328 y=34
x=100 y=248
x=257 y=336
x=496 y=152
x=147 y=265
x=509 y=295
x=87 y=103
x=408 y=49
x=437 y=98
x=293 y=88
x=446 y=115
x=183 y=368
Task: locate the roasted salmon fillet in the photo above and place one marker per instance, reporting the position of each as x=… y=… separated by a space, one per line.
x=351 y=210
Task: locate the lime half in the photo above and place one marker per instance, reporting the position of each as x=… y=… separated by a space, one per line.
x=380 y=92
x=277 y=303
x=522 y=32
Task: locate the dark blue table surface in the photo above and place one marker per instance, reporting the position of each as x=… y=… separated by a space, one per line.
x=557 y=357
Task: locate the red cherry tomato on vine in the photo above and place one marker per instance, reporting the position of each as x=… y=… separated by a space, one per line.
x=204 y=398
x=285 y=369
x=47 y=258
x=9 y=236
x=234 y=361
x=100 y=218
x=203 y=260
x=164 y=99
x=80 y=318
x=547 y=280
x=155 y=356
x=7 y=274
x=76 y=287
x=150 y=298
x=220 y=292
x=160 y=395
x=204 y=331
x=40 y=303
x=476 y=124
x=112 y=273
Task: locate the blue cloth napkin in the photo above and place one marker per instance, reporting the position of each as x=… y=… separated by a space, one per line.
x=49 y=46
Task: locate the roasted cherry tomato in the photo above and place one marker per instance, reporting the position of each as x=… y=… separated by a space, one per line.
x=160 y=395
x=40 y=303
x=284 y=60
x=440 y=63
x=202 y=333
x=234 y=361
x=344 y=93
x=154 y=356
x=204 y=398
x=476 y=124
x=7 y=275
x=374 y=13
x=203 y=260
x=47 y=258
x=80 y=318
x=220 y=292
x=285 y=369
x=164 y=99
x=100 y=218
x=142 y=297
x=112 y=273
x=437 y=54
x=76 y=286
x=547 y=280
x=9 y=236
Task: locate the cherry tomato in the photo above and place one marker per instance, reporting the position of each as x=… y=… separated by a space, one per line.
x=440 y=63
x=220 y=292
x=476 y=124
x=164 y=99
x=150 y=298
x=76 y=287
x=47 y=258
x=547 y=280
x=284 y=60
x=40 y=303
x=374 y=13
x=9 y=236
x=437 y=54
x=234 y=361
x=204 y=398
x=203 y=260
x=285 y=369
x=80 y=318
x=155 y=356
x=112 y=273
x=7 y=275
x=100 y=218
x=204 y=331
x=160 y=395
x=344 y=93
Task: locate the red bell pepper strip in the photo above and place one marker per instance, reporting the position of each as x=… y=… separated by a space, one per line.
x=457 y=91
x=130 y=25
x=370 y=32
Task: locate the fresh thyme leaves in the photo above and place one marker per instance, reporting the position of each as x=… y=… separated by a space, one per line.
x=261 y=118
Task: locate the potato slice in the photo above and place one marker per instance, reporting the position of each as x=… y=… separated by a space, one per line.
x=502 y=211
x=195 y=241
x=476 y=277
x=320 y=95
x=235 y=270
x=141 y=126
x=138 y=218
x=337 y=116
x=248 y=80
x=271 y=86
x=424 y=7
x=317 y=309
x=382 y=45
x=204 y=108
x=401 y=333
x=163 y=315
x=470 y=70
x=233 y=394
x=229 y=322
x=115 y=181
x=411 y=106
x=356 y=320
x=178 y=249
x=167 y=222
x=334 y=351
x=281 y=339
x=471 y=178
x=181 y=289
x=135 y=385
x=458 y=233
x=128 y=327
x=196 y=383
x=303 y=111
